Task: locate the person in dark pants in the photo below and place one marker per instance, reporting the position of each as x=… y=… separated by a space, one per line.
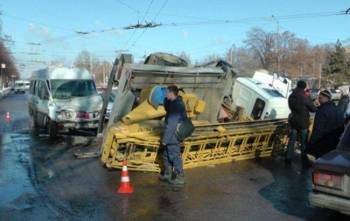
x=300 y=105
x=175 y=114
x=328 y=126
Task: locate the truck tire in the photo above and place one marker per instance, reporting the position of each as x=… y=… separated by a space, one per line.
x=52 y=129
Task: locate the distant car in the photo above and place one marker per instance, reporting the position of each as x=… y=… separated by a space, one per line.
x=110 y=105
x=101 y=91
x=331 y=178
x=19 y=87
x=335 y=94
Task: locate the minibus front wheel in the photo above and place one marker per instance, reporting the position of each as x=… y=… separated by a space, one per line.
x=52 y=129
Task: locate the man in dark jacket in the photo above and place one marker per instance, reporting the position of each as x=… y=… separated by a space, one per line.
x=175 y=114
x=328 y=126
x=300 y=106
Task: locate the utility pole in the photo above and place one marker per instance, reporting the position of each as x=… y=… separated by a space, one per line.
x=314 y=64
x=278 y=42
x=103 y=71
x=2 y=66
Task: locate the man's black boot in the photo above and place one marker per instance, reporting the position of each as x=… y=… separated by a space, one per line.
x=179 y=179
x=167 y=174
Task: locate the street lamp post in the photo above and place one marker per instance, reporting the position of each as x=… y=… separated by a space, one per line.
x=3 y=66
x=278 y=39
x=233 y=45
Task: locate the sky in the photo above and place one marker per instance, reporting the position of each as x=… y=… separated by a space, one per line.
x=44 y=31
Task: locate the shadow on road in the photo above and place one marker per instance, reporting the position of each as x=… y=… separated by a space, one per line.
x=289 y=193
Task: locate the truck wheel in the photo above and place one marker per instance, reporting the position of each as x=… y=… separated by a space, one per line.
x=52 y=129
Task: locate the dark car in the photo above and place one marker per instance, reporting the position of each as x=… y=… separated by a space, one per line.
x=101 y=91
x=331 y=178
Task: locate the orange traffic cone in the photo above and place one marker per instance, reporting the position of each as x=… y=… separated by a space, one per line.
x=8 y=118
x=125 y=186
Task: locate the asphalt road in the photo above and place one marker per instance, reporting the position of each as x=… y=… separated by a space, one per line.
x=40 y=179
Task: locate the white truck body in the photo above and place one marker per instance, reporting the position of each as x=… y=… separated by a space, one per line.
x=281 y=84
x=260 y=101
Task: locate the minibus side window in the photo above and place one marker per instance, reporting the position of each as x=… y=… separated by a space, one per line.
x=36 y=88
x=43 y=92
x=32 y=87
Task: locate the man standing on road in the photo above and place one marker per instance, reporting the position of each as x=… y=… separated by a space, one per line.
x=300 y=106
x=175 y=114
x=328 y=126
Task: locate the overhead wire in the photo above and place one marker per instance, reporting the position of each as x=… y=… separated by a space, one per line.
x=23 y=19
x=52 y=40
x=122 y=3
x=248 y=20
x=244 y=20
x=136 y=29
x=206 y=22
x=147 y=27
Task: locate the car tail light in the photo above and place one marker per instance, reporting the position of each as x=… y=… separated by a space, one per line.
x=330 y=180
x=83 y=115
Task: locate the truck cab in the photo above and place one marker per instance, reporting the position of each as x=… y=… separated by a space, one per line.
x=259 y=100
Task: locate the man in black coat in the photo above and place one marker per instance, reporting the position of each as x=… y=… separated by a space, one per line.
x=328 y=126
x=300 y=106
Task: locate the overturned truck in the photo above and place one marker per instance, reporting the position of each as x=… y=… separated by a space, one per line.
x=135 y=126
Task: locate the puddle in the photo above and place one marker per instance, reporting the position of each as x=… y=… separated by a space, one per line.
x=15 y=163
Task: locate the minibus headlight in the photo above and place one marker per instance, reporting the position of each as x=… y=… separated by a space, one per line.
x=65 y=115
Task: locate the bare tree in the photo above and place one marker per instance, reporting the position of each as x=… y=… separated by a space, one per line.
x=243 y=61
x=6 y=59
x=211 y=57
x=263 y=46
x=87 y=60
x=186 y=57
x=102 y=72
